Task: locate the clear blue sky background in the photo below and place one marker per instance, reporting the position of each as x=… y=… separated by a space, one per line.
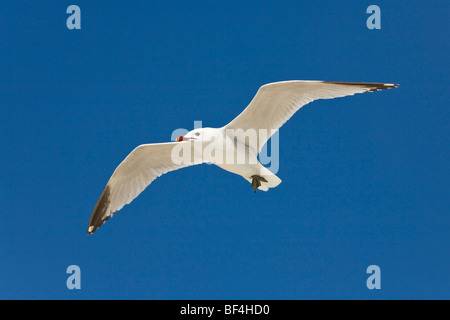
x=365 y=178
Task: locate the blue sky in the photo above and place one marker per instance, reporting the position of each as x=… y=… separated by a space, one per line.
x=365 y=178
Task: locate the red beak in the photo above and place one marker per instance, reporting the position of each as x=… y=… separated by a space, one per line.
x=179 y=139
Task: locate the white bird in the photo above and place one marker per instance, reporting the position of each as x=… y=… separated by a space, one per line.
x=272 y=106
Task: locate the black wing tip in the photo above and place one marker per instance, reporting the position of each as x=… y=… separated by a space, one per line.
x=93 y=227
x=369 y=85
x=99 y=215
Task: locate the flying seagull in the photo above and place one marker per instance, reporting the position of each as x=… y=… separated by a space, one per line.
x=273 y=105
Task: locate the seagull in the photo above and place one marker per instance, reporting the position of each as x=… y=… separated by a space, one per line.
x=273 y=105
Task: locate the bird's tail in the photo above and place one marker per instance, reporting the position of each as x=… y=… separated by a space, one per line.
x=271 y=180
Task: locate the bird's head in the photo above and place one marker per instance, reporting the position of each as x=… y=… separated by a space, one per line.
x=198 y=135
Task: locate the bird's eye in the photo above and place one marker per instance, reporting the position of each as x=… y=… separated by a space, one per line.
x=197 y=134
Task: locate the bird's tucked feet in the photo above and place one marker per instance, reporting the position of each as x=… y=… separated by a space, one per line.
x=256 y=181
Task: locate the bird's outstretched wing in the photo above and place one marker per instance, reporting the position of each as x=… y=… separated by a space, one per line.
x=275 y=103
x=143 y=165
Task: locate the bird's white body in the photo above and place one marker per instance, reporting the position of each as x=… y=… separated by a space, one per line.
x=234 y=147
x=236 y=157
